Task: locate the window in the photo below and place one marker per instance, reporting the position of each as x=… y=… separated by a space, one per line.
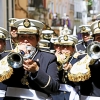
x=79 y=15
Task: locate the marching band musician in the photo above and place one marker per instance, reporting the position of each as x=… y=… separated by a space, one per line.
x=44 y=42
x=87 y=77
x=38 y=77
x=10 y=39
x=67 y=48
x=13 y=31
x=47 y=34
x=57 y=45
x=3 y=36
x=93 y=83
x=60 y=95
x=85 y=31
x=44 y=45
x=57 y=52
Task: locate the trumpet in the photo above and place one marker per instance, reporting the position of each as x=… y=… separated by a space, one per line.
x=80 y=70
x=15 y=60
x=93 y=50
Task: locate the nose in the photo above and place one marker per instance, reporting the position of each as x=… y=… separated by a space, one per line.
x=85 y=35
x=58 y=47
x=14 y=30
x=26 y=41
x=65 y=48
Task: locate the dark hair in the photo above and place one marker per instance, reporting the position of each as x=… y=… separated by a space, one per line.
x=13 y=28
x=73 y=45
x=37 y=36
x=3 y=39
x=93 y=36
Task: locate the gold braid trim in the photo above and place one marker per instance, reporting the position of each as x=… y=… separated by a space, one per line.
x=6 y=75
x=47 y=82
x=5 y=70
x=80 y=76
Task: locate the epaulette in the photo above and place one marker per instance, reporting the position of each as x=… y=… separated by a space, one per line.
x=52 y=51
x=76 y=55
x=8 y=38
x=78 y=43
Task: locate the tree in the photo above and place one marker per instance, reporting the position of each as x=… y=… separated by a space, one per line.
x=89 y=5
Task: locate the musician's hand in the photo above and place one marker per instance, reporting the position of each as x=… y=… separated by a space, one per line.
x=30 y=65
x=76 y=54
x=67 y=66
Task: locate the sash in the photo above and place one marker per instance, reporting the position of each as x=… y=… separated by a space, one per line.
x=2 y=93
x=26 y=93
x=73 y=93
x=89 y=98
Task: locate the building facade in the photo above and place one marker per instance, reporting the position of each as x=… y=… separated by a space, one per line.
x=60 y=7
x=45 y=10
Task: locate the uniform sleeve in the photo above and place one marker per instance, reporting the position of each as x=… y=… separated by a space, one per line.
x=48 y=80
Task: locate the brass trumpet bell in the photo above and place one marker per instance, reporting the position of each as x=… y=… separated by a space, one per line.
x=93 y=50
x=15 y=60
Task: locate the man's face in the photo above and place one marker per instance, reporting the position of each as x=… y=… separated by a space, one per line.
x=67 y=49
x=27 y=40
x=97 y=37
x=2 y=45
x=85 y=36
x=13 y=32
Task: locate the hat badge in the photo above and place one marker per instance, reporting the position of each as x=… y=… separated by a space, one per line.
x=26 y=23
x=65 y=37
x=99 y=24
x=83 y=28
x=46 y=36
x=48 y=28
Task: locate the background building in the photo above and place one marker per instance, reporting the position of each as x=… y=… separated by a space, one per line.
x=6 y=11
x=46 y=10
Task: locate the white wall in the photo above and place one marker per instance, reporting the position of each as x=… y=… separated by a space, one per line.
x=84 y=12
x=77 y=6
x=3 y=14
